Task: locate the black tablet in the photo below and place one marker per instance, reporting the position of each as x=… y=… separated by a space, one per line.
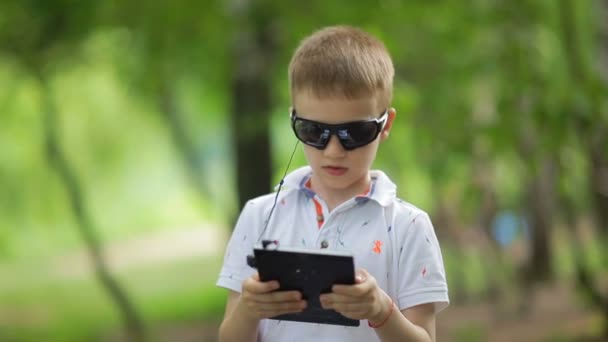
x=310 y=271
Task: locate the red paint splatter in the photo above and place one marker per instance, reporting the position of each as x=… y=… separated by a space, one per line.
x=377 y=247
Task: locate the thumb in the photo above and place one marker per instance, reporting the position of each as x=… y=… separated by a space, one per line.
x=360 y=276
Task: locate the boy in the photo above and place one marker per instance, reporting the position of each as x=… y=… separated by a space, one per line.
x=341 y=81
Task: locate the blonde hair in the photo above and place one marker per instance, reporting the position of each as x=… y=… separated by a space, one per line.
x=342 y=61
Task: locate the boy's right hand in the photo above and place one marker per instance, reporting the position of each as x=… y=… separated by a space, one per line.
x=259 y=301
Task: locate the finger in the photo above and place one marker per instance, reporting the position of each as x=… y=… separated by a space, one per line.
x=351 y=307
x=268 y=311
x=271 y=314
x=254 y=285
x=354 y=314
x=350 y=310
x=354 y=290
x=341 y=298
x=366 y=283
x=276 y=297
x=281 y=307
x=345 y=303
x=360 y=276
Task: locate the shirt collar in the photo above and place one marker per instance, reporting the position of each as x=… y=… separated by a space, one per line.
x=382 y=189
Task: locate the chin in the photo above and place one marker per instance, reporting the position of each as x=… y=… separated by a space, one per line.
x=341 y=185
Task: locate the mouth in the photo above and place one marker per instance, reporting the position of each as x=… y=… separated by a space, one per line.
x=335 y=170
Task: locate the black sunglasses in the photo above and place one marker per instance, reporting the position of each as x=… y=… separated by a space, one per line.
x=351 y=134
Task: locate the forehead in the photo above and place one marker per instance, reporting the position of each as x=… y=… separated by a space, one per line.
x=335 y=109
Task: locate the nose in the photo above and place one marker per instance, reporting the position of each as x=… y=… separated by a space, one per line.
x=334 y=148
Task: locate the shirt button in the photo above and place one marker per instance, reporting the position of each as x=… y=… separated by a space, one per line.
x=320 y=218
x=324 y=244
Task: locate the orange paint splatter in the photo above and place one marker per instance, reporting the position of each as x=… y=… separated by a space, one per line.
x=377 y=247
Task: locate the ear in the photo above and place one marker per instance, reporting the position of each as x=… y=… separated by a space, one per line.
x=392 y=113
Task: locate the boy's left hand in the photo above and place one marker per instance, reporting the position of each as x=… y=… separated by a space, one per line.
x=363 y=300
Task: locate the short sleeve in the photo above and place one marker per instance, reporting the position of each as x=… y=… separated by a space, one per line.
x=235 y=269
x=421 y=267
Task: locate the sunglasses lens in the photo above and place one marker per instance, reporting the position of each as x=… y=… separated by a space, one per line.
x=359 y=134
x=352 y=135
x=311 y=133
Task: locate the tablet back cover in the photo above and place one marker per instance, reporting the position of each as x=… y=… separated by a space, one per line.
x=311 y=272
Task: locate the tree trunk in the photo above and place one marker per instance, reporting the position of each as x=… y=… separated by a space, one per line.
x=594 y=136
x=585 y=279
x=599 y=185
x=253 y=54
x=540 y=199
x=540 y=203
x=76 y=197
x=487 y=214
x=599 y=188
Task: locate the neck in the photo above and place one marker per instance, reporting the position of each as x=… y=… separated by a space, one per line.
x=335 y=197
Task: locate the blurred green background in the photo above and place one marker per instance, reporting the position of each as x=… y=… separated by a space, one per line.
x=131 y=133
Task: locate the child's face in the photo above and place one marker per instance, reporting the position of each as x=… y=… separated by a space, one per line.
x=336 y=169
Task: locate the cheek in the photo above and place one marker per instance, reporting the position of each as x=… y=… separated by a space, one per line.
x=311 y=154
x=366 y=156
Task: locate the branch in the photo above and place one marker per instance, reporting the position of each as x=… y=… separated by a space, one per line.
x=58 y=161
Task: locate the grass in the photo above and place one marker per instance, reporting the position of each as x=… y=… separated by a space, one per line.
x=470 y=333
x=39 y=306
x=39 y=303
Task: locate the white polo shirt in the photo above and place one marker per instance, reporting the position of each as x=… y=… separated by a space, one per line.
x=392 y=239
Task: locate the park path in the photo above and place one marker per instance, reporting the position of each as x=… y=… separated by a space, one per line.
x=554 y=310
x=164 y=246
x=554 y=314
